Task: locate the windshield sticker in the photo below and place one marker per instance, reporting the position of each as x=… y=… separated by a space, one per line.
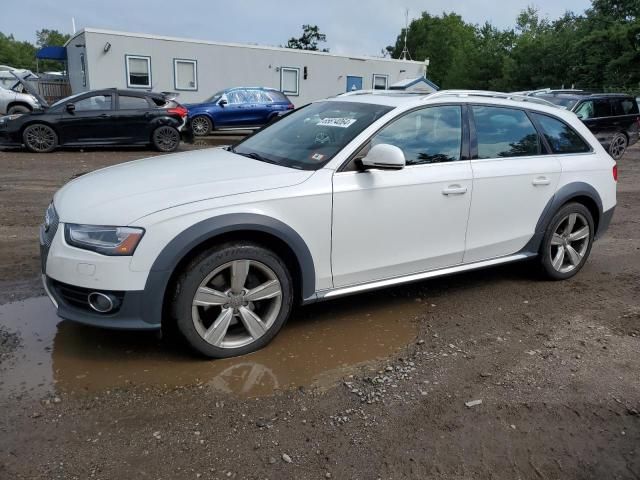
x=317 y=156
x=337 y=122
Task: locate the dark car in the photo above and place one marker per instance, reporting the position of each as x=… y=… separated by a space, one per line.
x=613 y=118
x=100 y=118
x=242 y=107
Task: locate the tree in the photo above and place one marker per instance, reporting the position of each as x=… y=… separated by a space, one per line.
x=51 y=38
x=309 y=40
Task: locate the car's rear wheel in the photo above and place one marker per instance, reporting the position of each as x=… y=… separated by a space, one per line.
x=618 y=146
x=233 y=299
x=16 y=109
x=567 y=241
x=166 y=139
x=201 y=126
x=40 y=138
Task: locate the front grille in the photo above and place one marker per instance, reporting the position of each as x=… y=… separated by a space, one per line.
x=47 y=231
x=78 y=296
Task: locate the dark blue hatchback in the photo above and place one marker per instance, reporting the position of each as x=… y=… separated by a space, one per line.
x=241 y=107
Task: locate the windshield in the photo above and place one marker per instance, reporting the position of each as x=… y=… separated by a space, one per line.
x=566 y=102
x=309 y=137
x=214 y=98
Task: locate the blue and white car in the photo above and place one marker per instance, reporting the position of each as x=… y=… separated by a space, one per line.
x=241 y=107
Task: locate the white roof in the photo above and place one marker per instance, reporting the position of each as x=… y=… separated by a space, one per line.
x=225 y=44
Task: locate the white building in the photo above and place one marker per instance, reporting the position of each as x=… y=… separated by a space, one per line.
x=198 y=69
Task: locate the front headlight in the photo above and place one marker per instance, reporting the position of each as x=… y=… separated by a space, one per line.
x=10 y=117
x=104 y=240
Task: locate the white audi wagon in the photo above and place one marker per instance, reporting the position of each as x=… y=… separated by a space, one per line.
x=344 y=195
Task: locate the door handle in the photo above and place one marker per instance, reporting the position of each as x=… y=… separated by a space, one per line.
x=454 y=190
x=541 y=181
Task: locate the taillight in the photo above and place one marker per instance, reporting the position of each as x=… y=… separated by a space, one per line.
x=638 y=120
x=615 y=172
x=290 y=106
x=183 y=112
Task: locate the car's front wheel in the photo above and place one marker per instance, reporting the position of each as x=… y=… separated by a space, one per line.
x=165 y=139
x=201 y=126
x=40 y=138
x=567 y=241
x=233 y=299
x=17 y=109
x=618 y=146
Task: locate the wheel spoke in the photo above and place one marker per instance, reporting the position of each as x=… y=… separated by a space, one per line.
x=207 y=297
x=252 y=323
x=574 y=257
x=571 y=222
x=556 y=239
x=267 y=290
x=217 y=331
x=239 y=272
x=558 y=259
x=579 y=234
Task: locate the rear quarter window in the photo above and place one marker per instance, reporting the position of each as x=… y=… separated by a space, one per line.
x=277 y=96
x=625 y=106
x=560 y=136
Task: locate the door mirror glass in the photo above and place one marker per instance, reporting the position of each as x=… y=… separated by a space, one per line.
x=384 y=157
x=222 y=102
x=71 y=107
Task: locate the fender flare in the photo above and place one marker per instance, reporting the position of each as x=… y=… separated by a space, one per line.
x=173 y=253
x=562 y=196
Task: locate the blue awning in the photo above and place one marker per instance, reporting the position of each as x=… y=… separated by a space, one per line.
x=52 y=53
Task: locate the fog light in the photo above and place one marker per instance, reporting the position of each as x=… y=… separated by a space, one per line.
x=101 y=302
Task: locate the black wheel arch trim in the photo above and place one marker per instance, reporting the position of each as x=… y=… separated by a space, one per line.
x=176 y=250
x=564 y=195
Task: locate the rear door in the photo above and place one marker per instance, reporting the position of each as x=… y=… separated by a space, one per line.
x=597 y=115
x=134 y=115
x=513 y=179
x=90 y=121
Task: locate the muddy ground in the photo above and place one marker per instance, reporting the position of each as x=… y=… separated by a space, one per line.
x=372 y=386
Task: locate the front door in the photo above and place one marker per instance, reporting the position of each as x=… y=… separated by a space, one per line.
x=395 y=223
x=354 y=83
x=90 y=121
x=512 y=183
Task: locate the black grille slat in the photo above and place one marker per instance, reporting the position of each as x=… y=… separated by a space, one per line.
x=78 y=296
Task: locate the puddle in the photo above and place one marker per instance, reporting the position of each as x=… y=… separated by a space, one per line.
x=319 y=345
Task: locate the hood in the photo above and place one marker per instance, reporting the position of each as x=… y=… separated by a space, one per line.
x=30 y=90
x=121 y=194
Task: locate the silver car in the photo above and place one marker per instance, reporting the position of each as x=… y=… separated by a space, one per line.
x=17 y=99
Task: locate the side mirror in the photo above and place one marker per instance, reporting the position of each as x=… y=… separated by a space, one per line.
x=384 y=157
x=71 y=107
x=222 y=102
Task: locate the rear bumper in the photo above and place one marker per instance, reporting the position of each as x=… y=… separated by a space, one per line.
x=72 y=304
x=605 y=221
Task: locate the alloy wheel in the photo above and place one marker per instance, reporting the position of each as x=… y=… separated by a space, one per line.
x=618 y=147
x=200 y=126
x=166 y=138
x=236 y=304
x=40 y=138
x=569 y=243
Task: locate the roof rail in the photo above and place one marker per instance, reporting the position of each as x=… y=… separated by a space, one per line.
x=380 y=92
x=489 y=94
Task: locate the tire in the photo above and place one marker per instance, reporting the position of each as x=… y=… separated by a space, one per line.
x=40 y=138
x=205 y=297
x=16 y=109
x=618 y=146
x=201 y=125
x=165 y=138
x=567 y=242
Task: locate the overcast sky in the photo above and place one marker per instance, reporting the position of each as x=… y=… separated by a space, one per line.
x=352 y=26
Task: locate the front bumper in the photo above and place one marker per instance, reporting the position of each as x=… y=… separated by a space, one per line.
x=72 y=304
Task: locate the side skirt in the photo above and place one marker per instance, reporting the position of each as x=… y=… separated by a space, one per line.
x=350 y=290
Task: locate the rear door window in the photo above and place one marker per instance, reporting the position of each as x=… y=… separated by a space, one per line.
x=561 y=137
x=504 y=132
x=128 y=102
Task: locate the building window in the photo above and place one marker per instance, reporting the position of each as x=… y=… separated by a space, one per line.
x=290 y=81
x=138 y=71
x=380 y=82
x=83 y=70
x=185 y=74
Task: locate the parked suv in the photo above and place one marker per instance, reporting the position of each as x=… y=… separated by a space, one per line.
x=613 y=118
x=100 y=118
x=344 y=195
x=16 y=100
x=238 y=108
